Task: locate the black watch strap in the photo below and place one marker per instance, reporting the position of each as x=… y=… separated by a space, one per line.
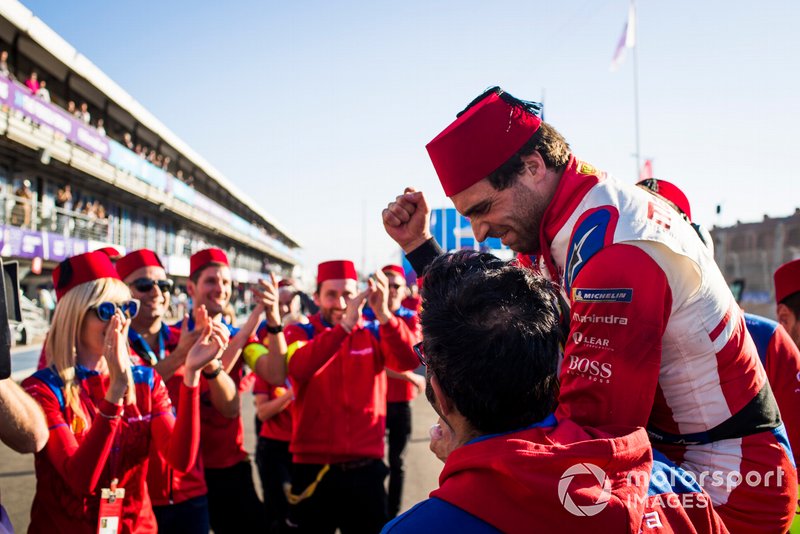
x=213 y=374
x=275 y=329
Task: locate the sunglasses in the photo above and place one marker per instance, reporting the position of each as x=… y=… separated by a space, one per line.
x=106 y=310
x=420 y=350
x=145 y=285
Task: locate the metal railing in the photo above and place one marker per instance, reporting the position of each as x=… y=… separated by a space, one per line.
x=34 y=215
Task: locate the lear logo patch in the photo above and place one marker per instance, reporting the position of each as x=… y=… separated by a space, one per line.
x=602 y=295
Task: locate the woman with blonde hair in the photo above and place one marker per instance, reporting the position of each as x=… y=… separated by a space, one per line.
x=104 y=413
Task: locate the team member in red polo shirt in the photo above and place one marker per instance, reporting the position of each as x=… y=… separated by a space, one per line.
x=104 y=414
x=232 y=501
x=401 y=387
x=179 y=499
x=336 y=367
x=787 y=296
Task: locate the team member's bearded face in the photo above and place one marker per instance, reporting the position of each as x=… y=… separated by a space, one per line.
x=213 y=289
x=514 y=215
x=332 y=297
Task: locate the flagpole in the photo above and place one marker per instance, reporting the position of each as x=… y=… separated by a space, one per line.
x=636 y=93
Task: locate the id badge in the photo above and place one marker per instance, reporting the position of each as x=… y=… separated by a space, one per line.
x=110 y=517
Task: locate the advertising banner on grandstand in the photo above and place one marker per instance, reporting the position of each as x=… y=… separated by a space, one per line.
x=130 y=162
x=20 y=98
x=453 y=232
x=21 y=243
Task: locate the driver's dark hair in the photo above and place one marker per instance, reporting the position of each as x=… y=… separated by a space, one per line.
x=550 y=144
x=491 y=338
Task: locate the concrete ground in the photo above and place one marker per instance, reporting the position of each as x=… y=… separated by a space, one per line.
x=18 y=480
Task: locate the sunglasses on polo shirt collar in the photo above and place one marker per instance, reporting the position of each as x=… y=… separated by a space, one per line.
x=145 y=285
x=106 y=310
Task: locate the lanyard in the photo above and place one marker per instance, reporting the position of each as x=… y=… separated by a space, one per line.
x=143 y=349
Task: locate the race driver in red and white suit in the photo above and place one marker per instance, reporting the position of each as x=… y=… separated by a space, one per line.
x=655 y=337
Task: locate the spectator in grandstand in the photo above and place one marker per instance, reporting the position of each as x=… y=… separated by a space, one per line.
x=4 y=70
x=232 y=500
x=165 y=164
x=179 y=499
x=43 y=92
x=21 y=214
x=64 y=197
x=101 y=129
x=491 y=349
x=32 y=83
x=139 y=150
x=22 y=428
x=337 y=373
x=88 y=383
x=84 y=114
x=127 y=140
x=72 y=110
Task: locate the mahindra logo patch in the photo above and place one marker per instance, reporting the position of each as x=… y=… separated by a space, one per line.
x=598 y=319
x=589 y=369
x=602 y=295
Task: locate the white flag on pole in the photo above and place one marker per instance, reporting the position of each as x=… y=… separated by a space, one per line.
x=626 y=40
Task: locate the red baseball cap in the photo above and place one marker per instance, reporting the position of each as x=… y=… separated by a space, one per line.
x=394 y=269
x=81 y=269
x=671 y=192
x=136 y=260
x=479 y=141
x=203 y=257
x=787 y=280
x=336 y=270
x=111 y=252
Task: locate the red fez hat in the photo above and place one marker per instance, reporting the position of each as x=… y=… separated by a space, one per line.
x=111 y=252
x=480 y=140
x=81 y=269
x=394 y=269
x=671 y=192
x=787 y=280
x=136 y=260
x=336 y=270
x=203 y=257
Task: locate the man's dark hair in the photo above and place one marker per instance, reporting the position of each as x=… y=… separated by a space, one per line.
x=793 y=303
x=491 y=338
x=550 y=144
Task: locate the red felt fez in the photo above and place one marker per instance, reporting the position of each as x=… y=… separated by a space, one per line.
x=81 y=269
x=136 y=260
x=111 y=252
x=671 y=192
x=394 y=269
x=479 y=141
x=787 y=280
x=202 y=258
x=336 y=270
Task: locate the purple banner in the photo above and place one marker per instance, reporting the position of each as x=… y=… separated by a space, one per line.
x=22 y=243
x=20 y=98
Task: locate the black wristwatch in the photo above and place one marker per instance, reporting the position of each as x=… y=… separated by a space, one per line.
x=213 y=374
x=275 y=329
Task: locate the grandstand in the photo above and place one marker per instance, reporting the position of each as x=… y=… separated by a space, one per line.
x=132 y=182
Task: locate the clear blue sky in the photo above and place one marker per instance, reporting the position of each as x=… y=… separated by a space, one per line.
x=321 y=110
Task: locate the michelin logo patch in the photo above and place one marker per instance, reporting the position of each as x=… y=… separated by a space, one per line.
x=602 y=295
